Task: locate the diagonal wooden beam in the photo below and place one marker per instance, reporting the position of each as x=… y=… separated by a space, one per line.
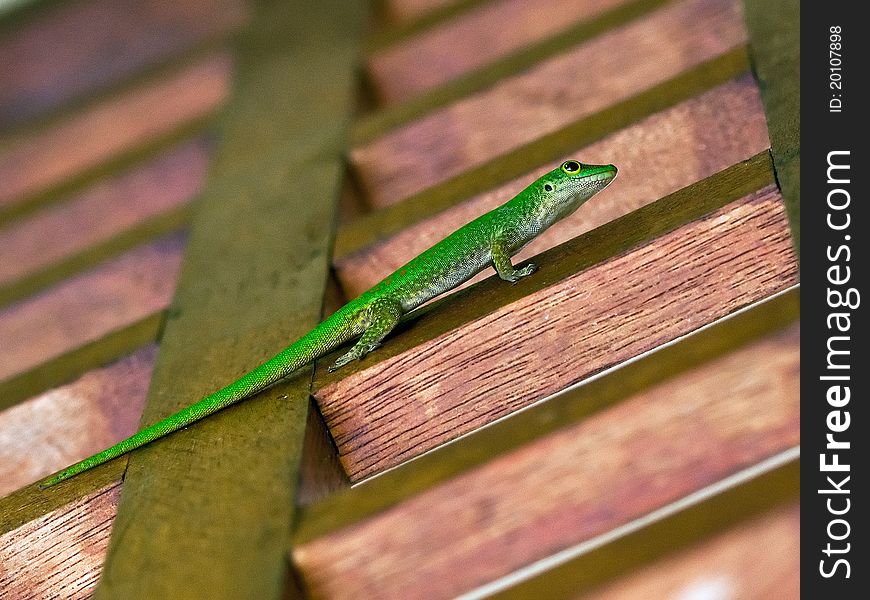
x=774 y=34
x=207 y=512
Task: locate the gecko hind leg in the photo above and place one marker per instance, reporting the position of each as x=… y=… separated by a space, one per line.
x=381 y=316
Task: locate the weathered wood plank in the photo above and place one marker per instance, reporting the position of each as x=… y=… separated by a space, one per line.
x=755 y=560
x=59 y=555
x=76 y=48
x=374 y=226
x=774 y=31
x=680 y=145
x=670 y=549
x=618 y=307
x=490 y=31
x=69 y=423
x=393 y=487
x=659 y=446
x=373 y=124
x=36 y=166
x=89 y=306
x=209 y=509
x=86 y=321
x=543 y=99
x=110 y=217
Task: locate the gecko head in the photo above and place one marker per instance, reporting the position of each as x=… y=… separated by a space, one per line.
x=564 y=189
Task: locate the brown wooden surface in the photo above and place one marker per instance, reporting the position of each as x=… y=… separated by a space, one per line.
x=657 y=156
x=32 y=163
x=484 y=33
x=560 y=90
x=64 y=425
x=537 y=345
x=755 y=560
x=662 y=444
x=89 y=306
x=102 y=211
x=77 y=47
x=59 y=555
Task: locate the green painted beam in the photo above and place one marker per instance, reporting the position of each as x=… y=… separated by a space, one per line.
x=774 y=42
x=207 y=512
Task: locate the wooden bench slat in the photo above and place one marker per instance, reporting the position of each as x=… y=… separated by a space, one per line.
x=557 y=92
x=59 y=554
x=75 y=48
x=107 y=218
x=85 y=308
x=656 y=156
x=71 y=422
x=490 y=31
x=35 y=165
x=661 y=445
x=451 y=373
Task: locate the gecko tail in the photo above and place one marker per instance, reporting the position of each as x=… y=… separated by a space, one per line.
x=319 y=341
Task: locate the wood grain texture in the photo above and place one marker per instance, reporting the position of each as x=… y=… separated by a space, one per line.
x=656 y=156
x=547 y=97
x=755 y=560
x=33 y=163
x=90 y=306
x=60 y=554
x=537 y=345
x=76 y=48
x=380 y=493
x=69 y=423
x=485 y=33
x=63 y=232
x=650 y=450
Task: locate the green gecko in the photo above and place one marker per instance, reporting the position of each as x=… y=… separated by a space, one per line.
x=491 y=239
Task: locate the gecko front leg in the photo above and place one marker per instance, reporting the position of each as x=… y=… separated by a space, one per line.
x=501 y=260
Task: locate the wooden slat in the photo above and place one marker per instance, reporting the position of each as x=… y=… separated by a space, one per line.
x=680 y=145
x=89 y=306
x=393 y=487
x=760 y=491
x=216 y=524
x=557 y=92
x=377 y=225
x=755 y=560
x=79 y=47
x=372 y=124
x=59 y=554
x=69 y=423
x=774 y=30
x=502 y=361
x=653 y=449
x=36 y=165
x=108 y=218
x=488 y=32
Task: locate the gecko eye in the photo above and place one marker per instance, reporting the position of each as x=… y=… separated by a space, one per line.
x=548 y=187
x=571 y=166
